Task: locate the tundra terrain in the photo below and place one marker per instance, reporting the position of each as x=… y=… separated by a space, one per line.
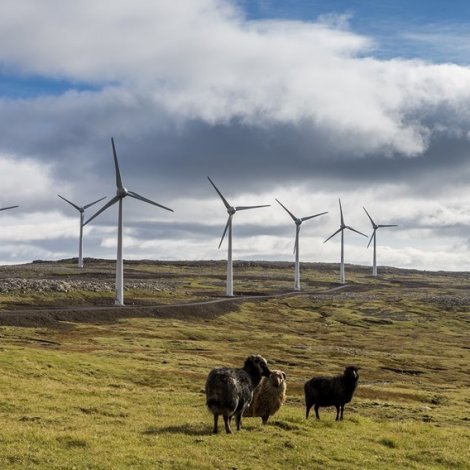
x=85 y=384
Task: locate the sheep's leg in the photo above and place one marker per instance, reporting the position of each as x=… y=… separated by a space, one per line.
x=337 y=411
x=216 y=421
x=316 y=412
x=227 y=424
x=308 y=405
x=342 y=410
x=238 y=420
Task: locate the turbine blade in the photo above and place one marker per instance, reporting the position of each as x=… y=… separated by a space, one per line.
x=294 y=218
x=10 y=207
x=108 y=204
x=226 y=204
x=116 y=166
x=331 y=236
x=92 y=203
x=243 y=208
x=341 y=212
x=142 y=198
x=393 y=225
x=354 y=230
x=371 y=238
x=368 y=215
x=229 y=220
x=303 y=219
x=71 y=203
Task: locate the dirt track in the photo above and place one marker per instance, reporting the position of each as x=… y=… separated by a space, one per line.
x=57 y=294
x=60 y=316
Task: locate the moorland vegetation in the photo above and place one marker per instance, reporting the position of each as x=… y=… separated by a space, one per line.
x=84 y=384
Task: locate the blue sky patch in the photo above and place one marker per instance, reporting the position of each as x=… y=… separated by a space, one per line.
x=14 y=86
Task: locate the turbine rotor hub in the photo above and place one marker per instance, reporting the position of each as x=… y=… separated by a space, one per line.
x=122 y=192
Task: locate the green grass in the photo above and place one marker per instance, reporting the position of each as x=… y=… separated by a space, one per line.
x=129 y=394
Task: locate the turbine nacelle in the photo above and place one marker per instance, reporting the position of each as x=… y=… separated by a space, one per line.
x=122 y=192
x=231 y=210
x=81 y=209
x=375 y=227
x=343 y=226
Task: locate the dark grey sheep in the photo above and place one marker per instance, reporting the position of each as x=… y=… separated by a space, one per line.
x=229 y=391
x=331 y=391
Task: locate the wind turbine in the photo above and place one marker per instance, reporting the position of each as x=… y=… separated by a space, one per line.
x=121 y=193
x=342 y=277
x=374 y=236
x=298 y=223
x=228 y=226
x=82 y=214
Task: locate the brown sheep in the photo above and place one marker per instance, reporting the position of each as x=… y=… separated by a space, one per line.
x=268 y=396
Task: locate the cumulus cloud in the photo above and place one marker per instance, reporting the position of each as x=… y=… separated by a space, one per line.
x=203 y=60
x=302 y=111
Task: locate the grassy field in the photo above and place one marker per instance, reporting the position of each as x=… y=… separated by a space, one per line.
x=129 y=393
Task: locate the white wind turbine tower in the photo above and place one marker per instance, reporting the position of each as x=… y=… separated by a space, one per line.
x=121 y=193
x=228 y=226
x=342 y=277
x=298 y=223
x=82 y=214
x=374 y=236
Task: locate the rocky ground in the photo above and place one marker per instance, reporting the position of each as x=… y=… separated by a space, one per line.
x=29 y=292
x=25 y=285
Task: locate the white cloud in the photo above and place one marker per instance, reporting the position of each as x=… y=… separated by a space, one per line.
x=204 y=60
x=24 y=180
x=166 y=68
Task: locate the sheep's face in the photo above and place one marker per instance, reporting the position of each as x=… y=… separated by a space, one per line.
x=277 y=378
x=351 y=372
x=260 y=364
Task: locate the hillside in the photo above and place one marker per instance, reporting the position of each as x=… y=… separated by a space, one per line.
x=87 y=385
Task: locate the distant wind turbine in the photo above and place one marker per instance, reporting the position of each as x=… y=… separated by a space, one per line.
x=121 y=193
x=82 y=214
x=342 y=277
x=374 y=236
x=298 y=223
x=228 y=226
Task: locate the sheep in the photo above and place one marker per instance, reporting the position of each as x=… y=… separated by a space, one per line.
x=268 y=396
x=229 y=391
x=331 y=391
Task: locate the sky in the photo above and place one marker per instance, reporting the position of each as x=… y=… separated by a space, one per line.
x=305 y=101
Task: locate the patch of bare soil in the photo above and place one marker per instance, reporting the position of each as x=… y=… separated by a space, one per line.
x=58 y=317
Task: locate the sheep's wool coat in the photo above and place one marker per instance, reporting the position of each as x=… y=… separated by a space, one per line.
x=269 y=395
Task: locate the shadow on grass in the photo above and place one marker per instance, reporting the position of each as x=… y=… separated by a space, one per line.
x=187 y=429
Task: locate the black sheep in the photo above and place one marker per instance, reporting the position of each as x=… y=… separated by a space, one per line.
x=229 y=391
x=331 y=391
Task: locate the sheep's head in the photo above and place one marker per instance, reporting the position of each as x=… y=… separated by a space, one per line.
x=351 y=372
x=258 y=364
x=277 y=378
